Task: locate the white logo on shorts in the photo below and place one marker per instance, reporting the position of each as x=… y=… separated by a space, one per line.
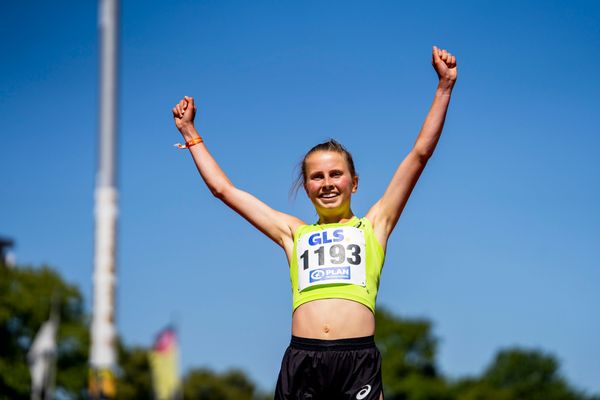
x=364 y=391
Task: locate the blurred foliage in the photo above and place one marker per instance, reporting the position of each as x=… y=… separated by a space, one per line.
x=25 y=301
x=204 y=384
x=519 y=374
x=408 y=349
x=528 y=374
x=133 y=376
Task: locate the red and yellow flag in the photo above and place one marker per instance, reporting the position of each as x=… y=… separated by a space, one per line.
x=164 y=362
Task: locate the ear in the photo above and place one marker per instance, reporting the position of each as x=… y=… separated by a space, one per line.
x=355 y=184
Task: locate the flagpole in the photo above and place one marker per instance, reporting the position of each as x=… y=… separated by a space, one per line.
x=103 y=332
x=41 y=356
x=55 y=319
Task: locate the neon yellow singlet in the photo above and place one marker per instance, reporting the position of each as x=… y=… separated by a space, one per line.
x=336 y=261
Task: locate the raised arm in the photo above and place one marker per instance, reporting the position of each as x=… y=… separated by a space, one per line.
x=276 y=225
x=385 y=213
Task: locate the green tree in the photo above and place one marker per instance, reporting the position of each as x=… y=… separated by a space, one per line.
x=519 y=374
x=408 y=349
x=133 y=377
x=204 y=384
x=477 y=389
x=529 y=374
x=25 y=301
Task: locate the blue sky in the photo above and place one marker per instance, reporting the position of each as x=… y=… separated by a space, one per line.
x=498 y=245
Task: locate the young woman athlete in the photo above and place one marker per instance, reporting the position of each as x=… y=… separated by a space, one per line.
x=335 y=263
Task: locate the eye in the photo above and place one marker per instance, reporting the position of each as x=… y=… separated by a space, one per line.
x=317 y=176
x=336 y=174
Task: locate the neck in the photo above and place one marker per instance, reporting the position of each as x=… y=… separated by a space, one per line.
x=336 y=218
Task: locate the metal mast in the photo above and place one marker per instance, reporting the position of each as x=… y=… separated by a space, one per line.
x=103 y=335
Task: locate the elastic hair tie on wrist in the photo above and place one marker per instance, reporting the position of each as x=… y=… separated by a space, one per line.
x=189 y=143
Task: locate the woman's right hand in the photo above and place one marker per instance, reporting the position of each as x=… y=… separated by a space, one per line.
x=183 y=114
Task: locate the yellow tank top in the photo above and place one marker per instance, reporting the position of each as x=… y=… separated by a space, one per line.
x=336 y=261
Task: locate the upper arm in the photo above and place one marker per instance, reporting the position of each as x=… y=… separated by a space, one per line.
x=278 y=226
x=387 y=210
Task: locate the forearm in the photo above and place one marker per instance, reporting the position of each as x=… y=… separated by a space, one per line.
x=216 y=180
x=434 y=122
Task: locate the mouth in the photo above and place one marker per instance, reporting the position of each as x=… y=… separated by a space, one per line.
x=328 y=195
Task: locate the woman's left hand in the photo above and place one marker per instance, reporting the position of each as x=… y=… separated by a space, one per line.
x=444 y=64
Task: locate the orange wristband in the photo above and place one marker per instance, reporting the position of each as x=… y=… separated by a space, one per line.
x=189 y=143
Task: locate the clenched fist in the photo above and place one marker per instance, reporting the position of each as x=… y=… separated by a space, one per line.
x=444 y=64
x=184 y=113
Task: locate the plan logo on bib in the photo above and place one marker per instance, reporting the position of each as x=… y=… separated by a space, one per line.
x=323 y=274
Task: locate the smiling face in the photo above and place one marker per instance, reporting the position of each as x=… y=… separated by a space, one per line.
x=329 y=183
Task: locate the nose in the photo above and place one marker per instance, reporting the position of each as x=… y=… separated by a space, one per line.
x=327 y=182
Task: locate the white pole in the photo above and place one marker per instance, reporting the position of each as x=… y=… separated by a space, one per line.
x=103 y=333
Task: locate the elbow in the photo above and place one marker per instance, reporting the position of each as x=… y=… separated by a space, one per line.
x=422 y=153
x=220 y=191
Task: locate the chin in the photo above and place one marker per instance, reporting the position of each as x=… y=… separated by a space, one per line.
x=332 y=208
x=329 y=205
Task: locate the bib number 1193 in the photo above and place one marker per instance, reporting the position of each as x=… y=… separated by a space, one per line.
x=337 y=254
x=334 y=255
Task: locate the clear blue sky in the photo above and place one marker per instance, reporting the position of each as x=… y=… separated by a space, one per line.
x=498 y=245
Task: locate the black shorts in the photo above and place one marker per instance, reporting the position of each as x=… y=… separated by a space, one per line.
x=330 y=370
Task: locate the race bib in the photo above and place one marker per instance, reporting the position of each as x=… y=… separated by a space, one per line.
x=333 y=255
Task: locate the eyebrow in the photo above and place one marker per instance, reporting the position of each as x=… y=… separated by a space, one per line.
x=319 y=172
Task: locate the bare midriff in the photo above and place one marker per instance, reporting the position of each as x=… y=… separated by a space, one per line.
x=333 y=319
